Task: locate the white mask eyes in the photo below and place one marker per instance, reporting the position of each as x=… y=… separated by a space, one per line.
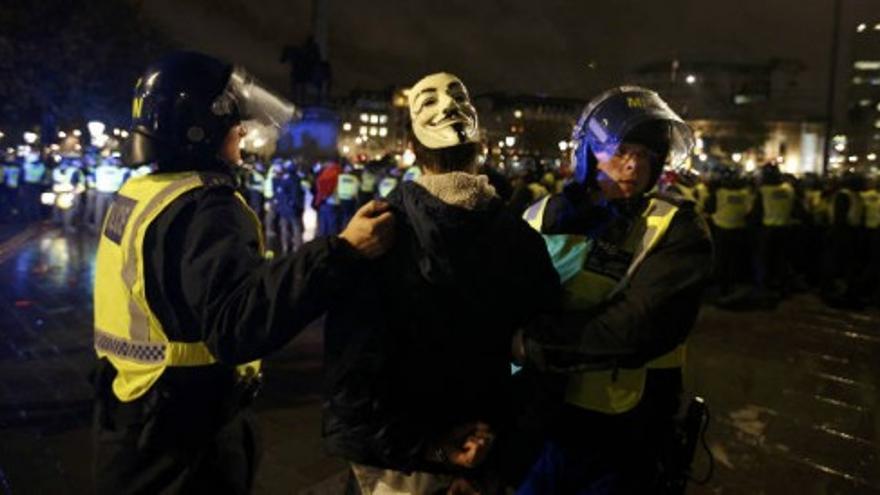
x=426 y=102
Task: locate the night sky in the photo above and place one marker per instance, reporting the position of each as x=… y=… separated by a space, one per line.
x=535 y=47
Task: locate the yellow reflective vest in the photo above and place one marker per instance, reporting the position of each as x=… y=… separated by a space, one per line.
x=871 y=202
x=347 y=186
x=816 y=206
x=127 y=331
x=368 y=182
x=537 y=191
x=579 y=261
x=778 y=203
x=386 y=185
x=701 y=193
x=732 y=206
x=856 y=209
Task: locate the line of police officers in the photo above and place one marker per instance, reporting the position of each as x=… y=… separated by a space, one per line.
x=75 y=189
x=793 y=233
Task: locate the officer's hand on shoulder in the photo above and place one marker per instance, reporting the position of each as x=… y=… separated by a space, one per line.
x=371 y=230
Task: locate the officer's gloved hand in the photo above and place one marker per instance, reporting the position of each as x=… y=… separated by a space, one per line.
x=371 y=230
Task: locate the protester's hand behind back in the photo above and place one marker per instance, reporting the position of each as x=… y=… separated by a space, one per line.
x=468 y=445
x=371 y=230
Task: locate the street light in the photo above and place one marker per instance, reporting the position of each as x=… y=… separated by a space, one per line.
x=62 y=134
x=563 y=145
x=510 y=141
x=96 y=128
x=77 y=132
x=30 y=137
x=690 y=79
x=409 y=158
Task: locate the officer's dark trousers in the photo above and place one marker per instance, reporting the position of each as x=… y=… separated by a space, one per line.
x=731 y=249
x=347 y=210
x=590 y=453
x=256 y=201
x=291 y=231
x=173 y=441
x=772 y=268
x=30 y=202
x=102 y=201
x=870 y=277
x=842 y=270
x=328 y=219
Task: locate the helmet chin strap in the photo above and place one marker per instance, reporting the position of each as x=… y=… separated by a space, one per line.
x=239 y=164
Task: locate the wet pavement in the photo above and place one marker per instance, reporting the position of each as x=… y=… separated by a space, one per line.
x=793 y=391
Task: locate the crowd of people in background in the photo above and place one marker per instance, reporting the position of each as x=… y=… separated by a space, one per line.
x=775 y=234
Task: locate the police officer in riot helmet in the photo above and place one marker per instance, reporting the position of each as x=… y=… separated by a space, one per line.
x=729 y=205
x=633 y=264
x=843 y=264
x=774 y=211
x=185 y=302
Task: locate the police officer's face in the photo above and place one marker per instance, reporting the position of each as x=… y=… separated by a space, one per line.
x=626 y=173
x=230 y=151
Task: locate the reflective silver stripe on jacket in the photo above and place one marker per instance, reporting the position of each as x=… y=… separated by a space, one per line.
x=139 y=329
x=144 y=352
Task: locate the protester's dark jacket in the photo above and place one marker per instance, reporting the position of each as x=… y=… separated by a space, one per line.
x=424 y=343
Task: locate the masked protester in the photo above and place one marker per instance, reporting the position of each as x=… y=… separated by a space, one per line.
x=418 y=358
x=185 y=304
x=633 y=265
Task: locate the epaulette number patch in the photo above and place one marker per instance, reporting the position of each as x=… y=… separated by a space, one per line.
x=117 y=218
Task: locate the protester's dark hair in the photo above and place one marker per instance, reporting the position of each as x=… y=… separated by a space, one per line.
x=458 y=158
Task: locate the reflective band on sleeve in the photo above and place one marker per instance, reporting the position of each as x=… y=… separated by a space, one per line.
x=143 y=352
x=179 y=353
